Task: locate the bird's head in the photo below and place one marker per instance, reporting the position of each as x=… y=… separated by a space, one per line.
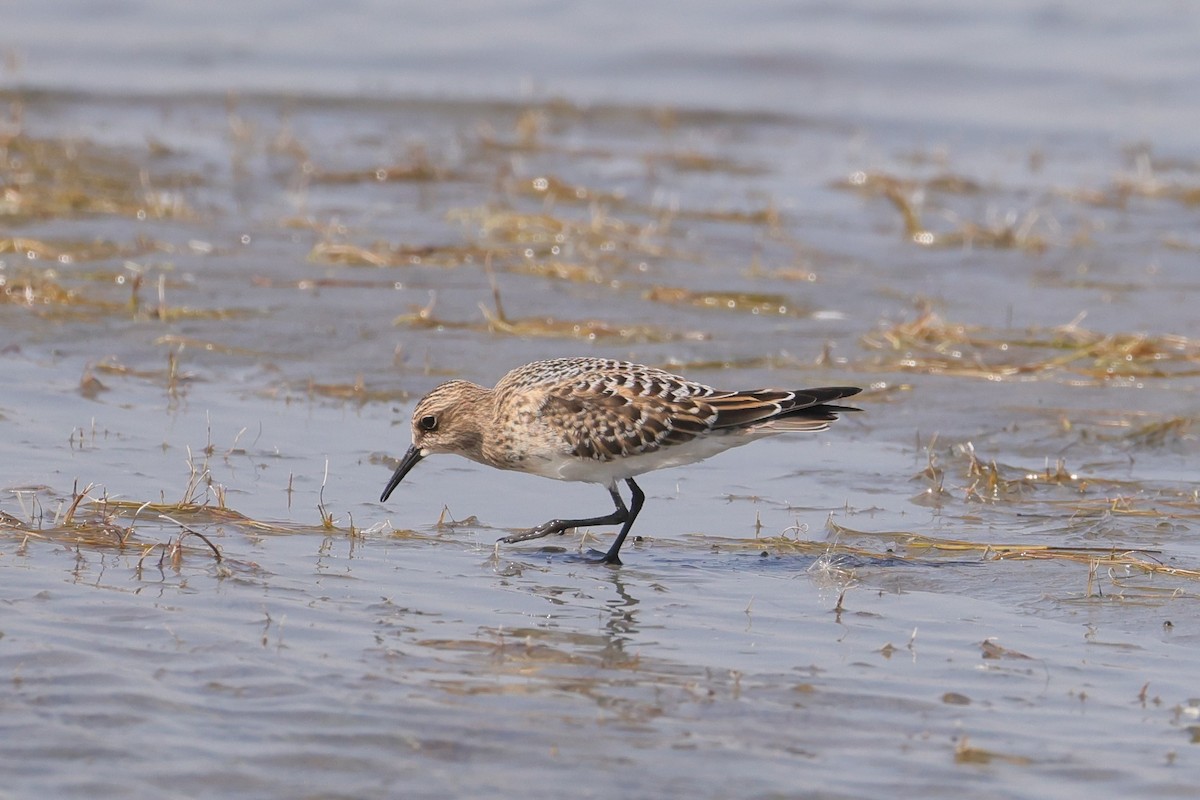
x=449 y=419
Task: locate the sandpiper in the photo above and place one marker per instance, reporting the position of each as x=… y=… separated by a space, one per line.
x=596 y=420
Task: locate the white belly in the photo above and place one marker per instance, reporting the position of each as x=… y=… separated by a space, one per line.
x=607 y=473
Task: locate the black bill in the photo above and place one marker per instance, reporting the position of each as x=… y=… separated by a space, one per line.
x=409 y=461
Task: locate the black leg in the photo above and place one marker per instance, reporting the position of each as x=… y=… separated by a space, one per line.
x=620 y=515
x=635 y=505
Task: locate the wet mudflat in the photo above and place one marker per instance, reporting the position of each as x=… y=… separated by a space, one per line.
x=219 y=309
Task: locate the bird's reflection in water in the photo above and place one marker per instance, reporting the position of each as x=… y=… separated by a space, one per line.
x=608 y=593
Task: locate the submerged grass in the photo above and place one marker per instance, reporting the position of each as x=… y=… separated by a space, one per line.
x=193 y=528
x=45 y=178
x=382 y=254
x=417 y=166
x=930 y=344
x=756 y=303
x=916 y=543
x=587 y=329
x=1016 y=234
x=69 y=251
x=496 y=321
x=62 y=294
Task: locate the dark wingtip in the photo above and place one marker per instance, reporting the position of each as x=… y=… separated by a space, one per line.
x=821 y=406
x=827 y=393
x=839 y=409
x=823 y=396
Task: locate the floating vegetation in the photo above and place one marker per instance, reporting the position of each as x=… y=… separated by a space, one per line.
x=1080 y=279
x=1014 y=233
x=1143 y=183
x=913 y=543
x=545 y=235
x=93 y=295
x=111 y=366
x=990 y=482
x=992 y=650
x=1162 y=432
x=549 y=327
x=545 y=327
x=555 y=190
x=194 y=512
x=769 y=217
x=770 y=362
x=207 y=345
x=497 y=321
x=932 y=345
x=1185 y=194
x=1062 y=504
x=1137 y=429
x=309 y=284
x=748 y=302
x=540 y=242
x=417 y=167
x=966 y=753
x=43 y=292
x=505 y=235
x=201 y=517
x=166 y=313
x=880 y=183
x=68 y=252
x=382 y=254
x=356 y=392
x=34 y=288
x=693 y=161
x=561 y=270
x=530 y=129
x=539 y=230
x=92 y=523
x=57 y=178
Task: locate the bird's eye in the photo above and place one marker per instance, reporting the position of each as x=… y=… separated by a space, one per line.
x=428 y=422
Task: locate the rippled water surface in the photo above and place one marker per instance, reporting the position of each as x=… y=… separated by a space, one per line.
x=236 y=249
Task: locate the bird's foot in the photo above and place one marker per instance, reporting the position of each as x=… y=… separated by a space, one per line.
x=535 y=533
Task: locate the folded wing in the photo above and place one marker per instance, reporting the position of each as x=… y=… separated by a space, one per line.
x=602 y=420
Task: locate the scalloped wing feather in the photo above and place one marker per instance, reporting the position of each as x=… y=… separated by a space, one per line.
x=601 y=420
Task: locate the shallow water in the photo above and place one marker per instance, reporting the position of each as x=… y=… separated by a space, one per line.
x=219 y=309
